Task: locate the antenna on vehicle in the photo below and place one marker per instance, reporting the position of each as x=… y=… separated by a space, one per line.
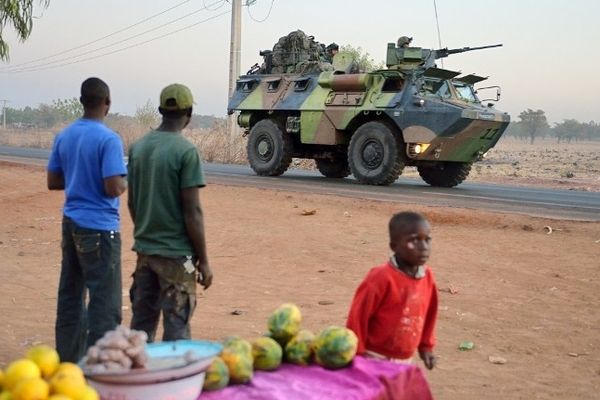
x=437 y=22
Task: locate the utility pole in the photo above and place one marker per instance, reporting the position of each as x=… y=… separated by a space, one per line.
x=4 y=113
x=234 y=58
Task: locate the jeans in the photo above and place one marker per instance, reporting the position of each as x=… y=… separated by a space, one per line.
x=161 y=284
x=91 y=262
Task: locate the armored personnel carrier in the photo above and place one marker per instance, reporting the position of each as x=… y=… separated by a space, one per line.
x=370 y=124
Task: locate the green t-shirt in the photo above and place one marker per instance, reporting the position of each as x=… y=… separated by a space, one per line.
x=160 y=165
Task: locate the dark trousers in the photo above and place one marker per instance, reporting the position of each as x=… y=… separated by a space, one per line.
x=91 y=262
x=161 y=284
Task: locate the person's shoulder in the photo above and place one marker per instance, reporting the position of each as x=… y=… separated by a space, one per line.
x=429 y=273
x=71 y=127
x=378 y=272
x=184 y=142
x=99 y=127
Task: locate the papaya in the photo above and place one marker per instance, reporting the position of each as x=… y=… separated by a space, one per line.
x=284 y=323
x=217 y=375
x=299 y=349
x=238 y=344
x=335 y=347
x=267 y=354
x=237 y=355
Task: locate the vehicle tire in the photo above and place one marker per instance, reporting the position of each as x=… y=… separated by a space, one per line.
x=336 y=167
x=376 y=154
x=445 y=174
x=269 y=148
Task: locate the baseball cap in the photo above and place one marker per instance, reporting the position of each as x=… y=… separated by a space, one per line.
x=176 y=97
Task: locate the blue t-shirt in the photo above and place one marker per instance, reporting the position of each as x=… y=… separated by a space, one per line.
x=85 y=153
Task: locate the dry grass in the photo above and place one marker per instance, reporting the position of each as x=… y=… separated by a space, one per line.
x=37 y=138
x=215 y=144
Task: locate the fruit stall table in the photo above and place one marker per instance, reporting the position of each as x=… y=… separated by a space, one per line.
x=365 y=379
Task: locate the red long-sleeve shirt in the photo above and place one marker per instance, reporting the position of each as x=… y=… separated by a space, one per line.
x=394 y=314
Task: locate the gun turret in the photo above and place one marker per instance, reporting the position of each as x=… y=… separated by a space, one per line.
x=445 y=52
x=416 y=58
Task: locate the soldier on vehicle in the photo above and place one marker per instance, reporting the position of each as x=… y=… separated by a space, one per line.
x=404 y=41
x=331 y=51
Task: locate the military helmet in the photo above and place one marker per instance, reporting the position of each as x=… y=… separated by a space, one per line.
x=333 y=46
x=404 y=41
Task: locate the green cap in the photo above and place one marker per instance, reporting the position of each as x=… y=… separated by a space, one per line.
x=176 y=97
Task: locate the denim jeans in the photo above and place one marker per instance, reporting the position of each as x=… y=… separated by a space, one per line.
x=161 y=284
x=91 y=267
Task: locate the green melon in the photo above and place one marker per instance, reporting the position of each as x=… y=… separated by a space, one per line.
x=217 y=375
x=335 y=347
x=267 y=353
x=299 y=349
x=284 y=323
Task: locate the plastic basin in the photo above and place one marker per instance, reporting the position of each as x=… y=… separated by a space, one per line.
x=160 y=381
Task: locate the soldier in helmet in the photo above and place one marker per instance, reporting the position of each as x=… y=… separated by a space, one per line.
x=404 y=41
x=331 y=51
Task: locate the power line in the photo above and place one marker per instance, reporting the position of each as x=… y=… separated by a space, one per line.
x=265 y=18
x=37 y=66
x=213 y=9
x=124 y=48
x=102 y=38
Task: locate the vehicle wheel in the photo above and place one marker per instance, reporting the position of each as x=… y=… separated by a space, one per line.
x=445 y=174
x=336 y=167
x=375 y=154
x=269 y=149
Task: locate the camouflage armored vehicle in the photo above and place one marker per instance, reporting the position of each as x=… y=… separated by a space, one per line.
x=296 y=104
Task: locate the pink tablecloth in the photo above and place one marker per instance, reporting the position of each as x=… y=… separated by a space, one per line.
x=365 y=379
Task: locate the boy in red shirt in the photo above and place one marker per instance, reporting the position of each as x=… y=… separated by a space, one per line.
x=394 y=310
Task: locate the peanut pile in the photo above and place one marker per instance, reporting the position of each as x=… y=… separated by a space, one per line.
x=119 y=350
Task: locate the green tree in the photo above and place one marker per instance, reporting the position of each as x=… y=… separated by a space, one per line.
x=68 y=109
x=592 y=131
x=534 y=123
x=365 y=62
x=567 y=130
x=19 y=14
x=147 y=115
x=47 y=116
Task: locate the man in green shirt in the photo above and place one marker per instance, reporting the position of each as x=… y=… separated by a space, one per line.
x=165 y=175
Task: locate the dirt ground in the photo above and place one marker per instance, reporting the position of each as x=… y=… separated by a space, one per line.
x=518 y=293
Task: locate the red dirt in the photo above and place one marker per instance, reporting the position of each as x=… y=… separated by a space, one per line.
x=515 y=291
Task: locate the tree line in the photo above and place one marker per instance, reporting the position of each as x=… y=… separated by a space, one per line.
x=63 y=111
x=532 y=124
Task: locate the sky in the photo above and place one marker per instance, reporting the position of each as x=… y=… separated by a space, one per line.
x=549 y=60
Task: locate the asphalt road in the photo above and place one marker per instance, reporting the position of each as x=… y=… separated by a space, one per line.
x=552 y=203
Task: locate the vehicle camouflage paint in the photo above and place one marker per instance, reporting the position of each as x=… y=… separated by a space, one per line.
x=369 y=124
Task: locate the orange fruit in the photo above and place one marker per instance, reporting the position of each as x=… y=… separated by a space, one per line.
x=19 y=370
x=31 y=389
x=69 y=382
x=45 y=357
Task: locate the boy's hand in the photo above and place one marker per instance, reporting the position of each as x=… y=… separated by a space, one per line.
x=205 y=275
x=428 y=359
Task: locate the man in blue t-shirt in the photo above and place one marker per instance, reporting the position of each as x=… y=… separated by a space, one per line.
x=87 y=163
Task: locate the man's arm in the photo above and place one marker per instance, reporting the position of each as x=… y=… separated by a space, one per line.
x=56 y=181
x=428 y=335
x=114 y=186
x=364 y=304
x=194 y=223
x=130 y=200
